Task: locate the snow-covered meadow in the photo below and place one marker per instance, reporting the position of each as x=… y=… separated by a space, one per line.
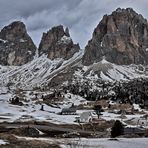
x=30 y=111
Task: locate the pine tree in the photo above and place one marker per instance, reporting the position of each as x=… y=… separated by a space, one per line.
x=117 y=129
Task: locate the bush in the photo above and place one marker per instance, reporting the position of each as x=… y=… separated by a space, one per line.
x=117 y=129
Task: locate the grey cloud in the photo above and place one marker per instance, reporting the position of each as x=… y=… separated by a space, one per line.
x=81 y=16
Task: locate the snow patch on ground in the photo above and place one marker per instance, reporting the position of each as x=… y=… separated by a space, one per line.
x=106 y=143
x=137 y=107
x=4 y=41
x=2 y=142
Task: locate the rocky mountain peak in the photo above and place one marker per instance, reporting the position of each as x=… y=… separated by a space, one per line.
x=67 y=32
x=121 y=37
x=13 y=31
x=57 y=43
x=16 y=46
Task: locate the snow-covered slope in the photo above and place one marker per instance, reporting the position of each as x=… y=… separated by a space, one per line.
x=41 y=70
x=107 y=71
x=36 y=73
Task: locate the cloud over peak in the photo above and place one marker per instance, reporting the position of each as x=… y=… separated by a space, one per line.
x=81 y=16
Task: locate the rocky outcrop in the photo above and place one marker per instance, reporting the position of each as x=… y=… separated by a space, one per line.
x=121 y=38
x=57 y=43
x=16 y=46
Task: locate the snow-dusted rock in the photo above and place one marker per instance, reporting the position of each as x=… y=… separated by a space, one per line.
x=15 y=44
x=57 y=43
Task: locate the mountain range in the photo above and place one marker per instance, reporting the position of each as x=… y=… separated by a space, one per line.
x=118 y=50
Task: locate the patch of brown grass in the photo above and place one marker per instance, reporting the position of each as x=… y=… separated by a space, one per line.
x=23 y=143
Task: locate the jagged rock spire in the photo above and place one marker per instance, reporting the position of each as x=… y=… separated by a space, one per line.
x=16 y=46
x=57 y=43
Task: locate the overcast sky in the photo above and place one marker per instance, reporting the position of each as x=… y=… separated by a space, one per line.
x=81 y=16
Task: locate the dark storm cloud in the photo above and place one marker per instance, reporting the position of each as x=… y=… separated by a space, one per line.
x=81 y=16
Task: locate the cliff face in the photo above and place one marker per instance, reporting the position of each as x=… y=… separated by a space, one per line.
x=57 y=43
x=121 y=38
x=16 y=46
